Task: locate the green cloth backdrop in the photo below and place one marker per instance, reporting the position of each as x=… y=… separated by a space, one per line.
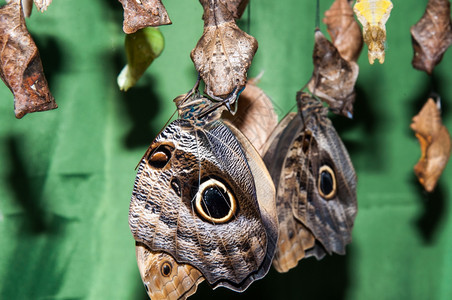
x=66 y=175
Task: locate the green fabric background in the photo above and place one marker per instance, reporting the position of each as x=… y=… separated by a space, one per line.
x=66 y=175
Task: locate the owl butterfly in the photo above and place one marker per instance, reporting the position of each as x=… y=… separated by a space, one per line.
x=204 y=199
x=373 y=15
x=315 y=185
x=224 y=52
x=435 y=144
x=143 y=13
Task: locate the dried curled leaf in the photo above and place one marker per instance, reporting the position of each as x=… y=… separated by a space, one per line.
x=255 y=117
x=142 y=47
x=163 y=277
x=435 y=143
x=333 y=79
x=224 y=52
x=373 y=15
x=20 y=64
x=344 y=30
x=432 y=35
x=143 y=13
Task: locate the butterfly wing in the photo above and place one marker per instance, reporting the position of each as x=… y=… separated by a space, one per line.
x=195 y=198
x=313 y=219
x=282 y=160
x=330 y=182
x=163 y=277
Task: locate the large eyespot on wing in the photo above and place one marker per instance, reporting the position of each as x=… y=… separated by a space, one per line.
x=163 y=277
x=326 y=182
x=215 y=202
x=331 y=203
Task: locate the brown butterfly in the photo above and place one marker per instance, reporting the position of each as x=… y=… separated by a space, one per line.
x=315 y=185
x=203 y=197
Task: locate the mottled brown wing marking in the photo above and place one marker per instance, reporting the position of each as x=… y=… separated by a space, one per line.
x=163 y=277
x=298 y=148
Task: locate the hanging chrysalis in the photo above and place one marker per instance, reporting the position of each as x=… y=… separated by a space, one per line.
x=20 y=64
x=223 y=54
x=432 y=35
x=435 y=143
x=143 y=13
x=373 y=15
x=142 y=47
x=345 y=33
x=333 y=79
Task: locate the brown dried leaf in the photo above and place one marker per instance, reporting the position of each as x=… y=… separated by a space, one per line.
x=344 y=30
x=20 y=64
x=236 y=7
x=255 y=117
x=435 y=143
x=334 y=78
x=223 y=53
x=432 y=35
x=143 y=13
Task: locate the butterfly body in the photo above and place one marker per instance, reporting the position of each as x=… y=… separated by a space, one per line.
x=315 y=185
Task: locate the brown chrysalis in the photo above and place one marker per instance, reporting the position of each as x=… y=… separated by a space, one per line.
x=435 y=143
x=143 y=13
x=223 y=54
x=20 y=64
x=432 y=35
x=334 y=78
x=344 y=30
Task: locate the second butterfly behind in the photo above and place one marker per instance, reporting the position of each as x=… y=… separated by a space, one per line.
x=315 y=185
